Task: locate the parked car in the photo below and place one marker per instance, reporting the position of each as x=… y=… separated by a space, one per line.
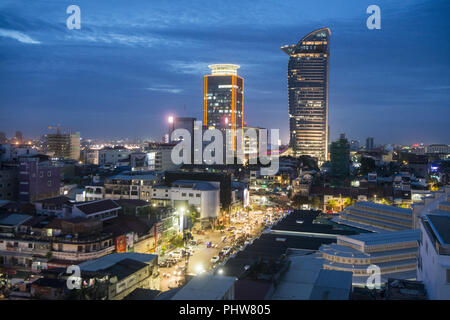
x=226 y=250
x=208 y=244
x=176 y=255
x=215 y=259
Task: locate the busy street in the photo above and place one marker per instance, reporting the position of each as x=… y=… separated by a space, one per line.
x=211 y=248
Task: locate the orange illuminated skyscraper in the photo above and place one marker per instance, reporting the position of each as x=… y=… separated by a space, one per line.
x=224 y=97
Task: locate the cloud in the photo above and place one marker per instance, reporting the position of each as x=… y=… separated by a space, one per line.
x=167 y=89
x=195 y=68
x=19 y=36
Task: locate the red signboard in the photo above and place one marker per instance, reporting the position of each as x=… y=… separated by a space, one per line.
x=121 y=244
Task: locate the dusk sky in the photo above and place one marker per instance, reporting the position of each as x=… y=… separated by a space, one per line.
x=135 y=62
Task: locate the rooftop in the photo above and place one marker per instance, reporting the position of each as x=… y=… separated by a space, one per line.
x=14 y=219
x=298 y=281
x=383 y=207
x=441 y=227
x=135 y=175
x=205 y=287
x=111 y=259
x=56 y=201
x=332 y=285
x=97 y=206
x=194 y=184
x=373 y=239
x=124 y=268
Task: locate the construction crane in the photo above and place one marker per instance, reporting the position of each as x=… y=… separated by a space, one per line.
x=58 y=129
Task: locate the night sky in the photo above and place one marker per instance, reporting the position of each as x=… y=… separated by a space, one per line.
x=135 y=62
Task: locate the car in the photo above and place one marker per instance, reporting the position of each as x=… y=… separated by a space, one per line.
x=189 y=250
x=164 y=264
x=208 y=244
x=176 y=254
x=215 y=259
x=226 y=250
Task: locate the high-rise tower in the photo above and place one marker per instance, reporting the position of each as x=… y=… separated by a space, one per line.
x=308 y=94
x=223 y=97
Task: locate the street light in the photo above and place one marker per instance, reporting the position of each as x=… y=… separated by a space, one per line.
x=199 y=269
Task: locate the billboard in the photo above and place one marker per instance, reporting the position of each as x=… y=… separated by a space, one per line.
x=130 y=242
x=121 y=244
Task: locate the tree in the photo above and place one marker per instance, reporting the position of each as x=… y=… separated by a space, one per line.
x=177 y=241
x=386 y=201
x=348 y=202
x=316 y=202
x=299 y=200
x=367 y=165
x=332 y=204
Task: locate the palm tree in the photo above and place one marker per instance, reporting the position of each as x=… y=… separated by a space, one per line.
x=332 y=204
x=348 y=202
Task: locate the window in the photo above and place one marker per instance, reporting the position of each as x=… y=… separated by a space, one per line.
x=198 y=195
x=183 y=194
x=191 y=195
x=49 y=173
x=41 y=174
x=49 y=183
x=30 y=245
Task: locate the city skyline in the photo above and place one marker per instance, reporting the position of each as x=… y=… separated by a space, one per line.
x=79 y=78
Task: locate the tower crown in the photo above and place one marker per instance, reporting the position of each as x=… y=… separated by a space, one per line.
x=224 y=69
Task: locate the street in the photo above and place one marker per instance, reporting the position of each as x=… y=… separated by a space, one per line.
x=243 y=226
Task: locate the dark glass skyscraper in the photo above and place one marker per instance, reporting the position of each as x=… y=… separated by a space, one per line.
x=308 y=94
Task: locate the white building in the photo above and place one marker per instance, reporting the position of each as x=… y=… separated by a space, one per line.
x=112 y=156
x=205 y=196
x=159 y=156
x=91 y=156
x=438 y=148
x=94 y=193
x=433 y=220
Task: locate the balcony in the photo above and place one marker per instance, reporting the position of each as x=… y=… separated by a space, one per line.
x=82 y=256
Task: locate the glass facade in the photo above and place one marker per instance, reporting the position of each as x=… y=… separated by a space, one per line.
x=308 y=94
x=223 y=98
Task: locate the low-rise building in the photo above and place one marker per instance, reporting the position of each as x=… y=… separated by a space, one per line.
x=131 y=185
x=376 y=217
x=113 y=155
x=207 y=287
x=395 y=253
x=125 y=272
x=99 y=209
